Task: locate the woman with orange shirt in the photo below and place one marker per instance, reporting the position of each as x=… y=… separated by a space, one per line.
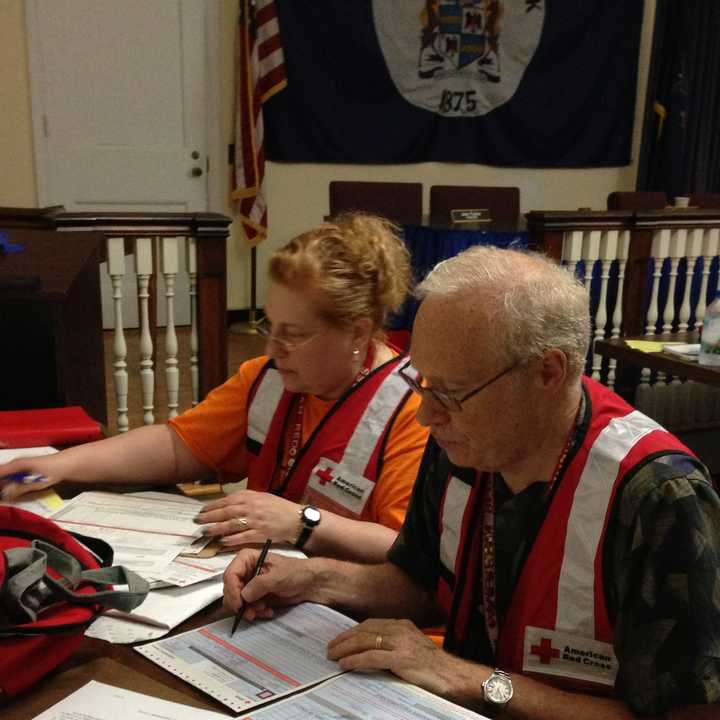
x=322 y=426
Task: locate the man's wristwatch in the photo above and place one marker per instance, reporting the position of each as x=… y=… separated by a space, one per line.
x=309 y=520
x=497 y=691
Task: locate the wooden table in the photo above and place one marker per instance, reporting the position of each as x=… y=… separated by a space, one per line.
x=118 y=665
x=662 y=361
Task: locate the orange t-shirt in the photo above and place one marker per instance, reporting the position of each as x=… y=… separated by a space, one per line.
x=215 y=430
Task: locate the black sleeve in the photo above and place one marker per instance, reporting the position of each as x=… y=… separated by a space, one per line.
x=417 y=547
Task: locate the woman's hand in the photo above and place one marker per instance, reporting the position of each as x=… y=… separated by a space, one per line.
x=249 y=517
x=45 y=471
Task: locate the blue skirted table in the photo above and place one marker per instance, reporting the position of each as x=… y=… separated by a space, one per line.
x=428 y=245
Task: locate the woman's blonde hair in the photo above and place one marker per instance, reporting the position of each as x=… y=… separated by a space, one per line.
x=356 y=266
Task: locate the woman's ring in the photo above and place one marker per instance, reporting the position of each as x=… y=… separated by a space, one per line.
x=242 y=524
x=378 y=642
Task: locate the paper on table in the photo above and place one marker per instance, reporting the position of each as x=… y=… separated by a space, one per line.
x=649 y=346
x=160 y=612
x=98 y=701
x=8 y=454
x=145 y=554
x=261 y=662
x=364 y=696
x=43 y=503
x=170 y=519
x=185 y=569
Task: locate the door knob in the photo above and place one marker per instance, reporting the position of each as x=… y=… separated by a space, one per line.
x=196 y=172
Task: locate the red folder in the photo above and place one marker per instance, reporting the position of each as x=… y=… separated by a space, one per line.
x=52 y=426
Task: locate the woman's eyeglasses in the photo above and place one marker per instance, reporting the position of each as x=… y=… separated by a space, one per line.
x=264 y=329
x=449 y=401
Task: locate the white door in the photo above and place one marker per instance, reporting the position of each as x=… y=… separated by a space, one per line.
x=119 y=106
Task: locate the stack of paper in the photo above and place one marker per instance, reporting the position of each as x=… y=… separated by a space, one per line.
x=689 y=352
x=148 y=533
x=269 y=660
x=353 y=696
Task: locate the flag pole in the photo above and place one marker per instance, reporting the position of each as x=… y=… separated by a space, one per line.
x=250 y=327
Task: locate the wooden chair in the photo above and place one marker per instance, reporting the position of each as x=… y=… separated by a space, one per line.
x=502 y=202
x=705 y=200
x=397 y=201
x=636 y=200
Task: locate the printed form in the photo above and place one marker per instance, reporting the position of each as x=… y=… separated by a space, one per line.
x=98 y=701
x=364 y=696
x=147 y=534
x=264 y=660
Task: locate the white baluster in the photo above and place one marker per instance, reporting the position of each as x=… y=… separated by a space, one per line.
x=622 y=254
x=711 y=247
x=590 y=254
x=659 y=251
x=144 y=270
x=572 y=249
x=116 y=270
x=674 y=393
x=607 y=252
x=191 y=249
x=694 y=249
x=170 y=265
x=678 y=241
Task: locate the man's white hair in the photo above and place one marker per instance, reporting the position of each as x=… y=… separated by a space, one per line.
x=533 y=303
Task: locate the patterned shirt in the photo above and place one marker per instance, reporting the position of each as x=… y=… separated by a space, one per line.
x=661 y=562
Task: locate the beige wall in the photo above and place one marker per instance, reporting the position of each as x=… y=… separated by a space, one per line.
x=298 y=194
x=17 y=179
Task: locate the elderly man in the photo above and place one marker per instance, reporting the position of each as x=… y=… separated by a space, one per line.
x=569 y=543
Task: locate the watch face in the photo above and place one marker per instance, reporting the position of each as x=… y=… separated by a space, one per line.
x=498 y=689
x=311 y=516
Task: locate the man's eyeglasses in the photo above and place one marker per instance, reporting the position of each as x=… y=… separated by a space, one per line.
x=450 y=401
x=264 y=329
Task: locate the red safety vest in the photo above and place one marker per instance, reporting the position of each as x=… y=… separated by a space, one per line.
x=337 y=468
x=557 y=627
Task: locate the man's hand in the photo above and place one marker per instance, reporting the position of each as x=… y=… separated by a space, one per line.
x=247 y=517
x=283 y=581
x=400 y=647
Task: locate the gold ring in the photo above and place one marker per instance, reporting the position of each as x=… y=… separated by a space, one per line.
x=378 y=642
x=242 y=524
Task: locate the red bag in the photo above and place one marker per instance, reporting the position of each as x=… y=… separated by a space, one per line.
x=52 y=586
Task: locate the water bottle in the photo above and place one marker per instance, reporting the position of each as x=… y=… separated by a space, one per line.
x=710 y=341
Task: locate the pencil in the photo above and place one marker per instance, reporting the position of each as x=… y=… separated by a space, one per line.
x=256 y=572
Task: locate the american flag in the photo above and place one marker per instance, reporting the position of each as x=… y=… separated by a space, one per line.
x=260 y=73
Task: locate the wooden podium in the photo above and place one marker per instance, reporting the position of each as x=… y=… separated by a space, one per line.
x=51 y=322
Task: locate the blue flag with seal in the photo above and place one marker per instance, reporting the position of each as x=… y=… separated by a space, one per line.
x=524 y=83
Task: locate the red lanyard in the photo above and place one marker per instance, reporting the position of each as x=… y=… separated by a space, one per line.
x=294 y=437
x=488 y=541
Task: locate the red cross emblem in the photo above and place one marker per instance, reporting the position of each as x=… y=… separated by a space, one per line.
x=325 y=475
x=545 y=651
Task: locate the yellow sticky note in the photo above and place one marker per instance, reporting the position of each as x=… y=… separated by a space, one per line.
x=649 y=346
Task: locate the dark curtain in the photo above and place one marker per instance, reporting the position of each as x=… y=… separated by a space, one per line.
x=680 y=152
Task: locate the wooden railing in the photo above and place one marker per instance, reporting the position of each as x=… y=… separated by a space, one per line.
x=155 y=240
x=649 y=273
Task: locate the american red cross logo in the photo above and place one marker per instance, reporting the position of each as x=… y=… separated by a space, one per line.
x=545 y=651
x=325 y=475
